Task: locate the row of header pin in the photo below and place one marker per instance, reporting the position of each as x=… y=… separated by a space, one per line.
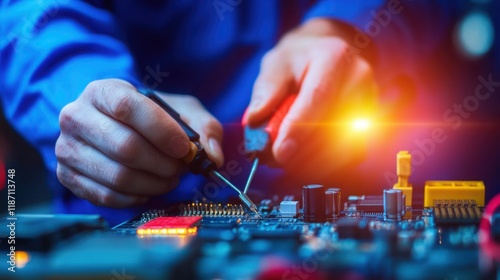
x=210 y=209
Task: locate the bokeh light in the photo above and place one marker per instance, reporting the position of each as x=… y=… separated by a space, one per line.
x=474 y=34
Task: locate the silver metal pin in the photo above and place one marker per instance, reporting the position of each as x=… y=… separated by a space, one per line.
x=243 y=197
x=252 y=173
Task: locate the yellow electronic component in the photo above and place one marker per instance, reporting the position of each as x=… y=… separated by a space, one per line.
x=435 y=191
x=403 y=171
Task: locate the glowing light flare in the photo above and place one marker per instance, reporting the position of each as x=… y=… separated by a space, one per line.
x=22 y=258
x=361 y=124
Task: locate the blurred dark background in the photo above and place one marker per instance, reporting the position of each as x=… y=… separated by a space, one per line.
x=32 y=192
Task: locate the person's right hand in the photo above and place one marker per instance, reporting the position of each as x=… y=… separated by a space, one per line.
x=117 y=147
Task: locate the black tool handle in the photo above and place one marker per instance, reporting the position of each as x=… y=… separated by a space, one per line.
x=198 y=163
x=193 y=135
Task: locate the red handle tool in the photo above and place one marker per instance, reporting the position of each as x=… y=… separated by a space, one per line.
x=259 y=140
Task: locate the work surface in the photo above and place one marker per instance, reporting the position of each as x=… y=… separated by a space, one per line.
x=319 y=236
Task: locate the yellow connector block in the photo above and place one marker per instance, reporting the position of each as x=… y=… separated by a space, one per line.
x=453 y=190
x=403 y=170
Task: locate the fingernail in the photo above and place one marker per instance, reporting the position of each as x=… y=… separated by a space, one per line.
x=286 y=151
x=215 y=150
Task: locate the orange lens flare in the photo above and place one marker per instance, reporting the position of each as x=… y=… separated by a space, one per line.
x=361 y=124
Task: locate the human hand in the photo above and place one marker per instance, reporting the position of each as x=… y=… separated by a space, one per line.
x=117 y=147
x=333 y=88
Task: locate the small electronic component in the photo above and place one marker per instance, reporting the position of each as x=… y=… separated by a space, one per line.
x=211 y=209
x=368 y=204
x=266 y=206
x=403 y=170
x=152 y=214
x=453 y=190
x=394 y=205
x=313 y=203
x=289 y=209
x=332 y=202
x=449 y=212
x=454 y=202
x=170 y=226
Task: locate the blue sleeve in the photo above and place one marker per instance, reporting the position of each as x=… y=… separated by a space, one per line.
x=402 y=31
x=49 y=52
x=353 y=12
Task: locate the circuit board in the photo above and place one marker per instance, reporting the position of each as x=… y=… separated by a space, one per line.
x=320 y=235
x=364 y=243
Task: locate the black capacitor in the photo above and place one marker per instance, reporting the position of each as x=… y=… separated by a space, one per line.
x=332 y=203
x=394 y=203
x=313 y=203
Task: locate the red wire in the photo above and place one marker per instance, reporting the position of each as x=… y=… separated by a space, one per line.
x=486 y=242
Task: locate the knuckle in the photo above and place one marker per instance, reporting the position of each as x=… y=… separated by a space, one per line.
x=330 y=49
x=126 y=148
x=332 y=43
x=270 y=57
x=106 y=197
x=67 y=119
x=61 y=150
x=320 y=92
x=120 y=106
x=67 y=177
x=119 y=177
x=66 y=150
x=93 y=87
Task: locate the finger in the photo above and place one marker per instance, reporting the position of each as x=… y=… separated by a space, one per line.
x=122 y=102
x=211 y=137
x=358 y=95
x=315 y=99
x=96 y=193
x=117 y=141
x=337 y=155
x=274 y=83
x=200 y=120
x=94 y=165
x=341 y=98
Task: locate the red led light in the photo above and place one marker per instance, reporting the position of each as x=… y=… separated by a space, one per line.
x=170 y=226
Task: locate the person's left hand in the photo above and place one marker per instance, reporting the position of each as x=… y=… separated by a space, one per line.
x=334 y=87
